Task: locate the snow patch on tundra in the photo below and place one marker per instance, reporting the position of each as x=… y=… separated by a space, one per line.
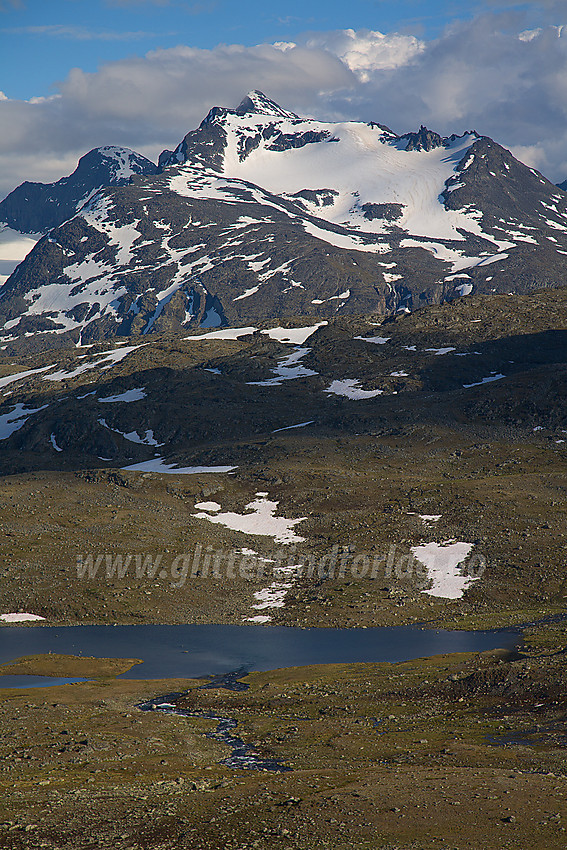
x=444 y=567
x=350 y=388
x=261 y=521
x=20 y=618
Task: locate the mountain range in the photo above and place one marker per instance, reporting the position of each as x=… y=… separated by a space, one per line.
x=260 y=213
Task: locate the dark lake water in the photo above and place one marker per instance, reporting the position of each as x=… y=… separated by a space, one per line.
x=193 y=651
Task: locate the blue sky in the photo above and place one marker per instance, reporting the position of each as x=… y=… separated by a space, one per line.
x=40 y=40
x=141 y=73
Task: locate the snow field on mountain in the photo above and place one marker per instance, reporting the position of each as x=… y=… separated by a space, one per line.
x=363 y=166
x=136 y=394
x=57 y=298
x=16 y=419
x=122 y=159
x=294 y=336
x=350 y=388
x=484 y=381
x=293 y=427
x=360 y=165
x=132 y=436
x=287 y=370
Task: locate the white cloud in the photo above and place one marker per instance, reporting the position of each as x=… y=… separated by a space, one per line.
x=150 y=102
x=481 y=74
x=367 y=51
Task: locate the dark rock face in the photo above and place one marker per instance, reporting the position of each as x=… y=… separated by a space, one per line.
x=205 y=145
x=319 y=197
x=287 y=141
x=389 y=212
x=37 y=207
x=562 y=186
x=258 y=213
x=423 y=140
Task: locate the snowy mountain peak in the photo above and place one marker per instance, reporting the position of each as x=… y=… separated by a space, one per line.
x=258 y=213
x=37 y=207
x=256 y=102
x=123 y=163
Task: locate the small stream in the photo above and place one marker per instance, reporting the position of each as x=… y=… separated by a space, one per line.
x=208 y=651
x=243 y=756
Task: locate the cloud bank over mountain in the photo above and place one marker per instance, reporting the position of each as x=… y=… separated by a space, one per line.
x=486 y=73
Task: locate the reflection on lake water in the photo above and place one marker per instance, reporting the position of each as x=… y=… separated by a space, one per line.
x=193 y=651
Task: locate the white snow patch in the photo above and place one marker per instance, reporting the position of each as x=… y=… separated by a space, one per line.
x=261 y=521
x=443 y=562
x=272 y=596
x=132 y=436
x=9 y=379
x=111 y=358
x=484 y=381
x=343 y=296
x=11 y=422
x=159 y=465
x=247 y=293
x=377 y=340
x=287 y=369
x=53 y=442
x=129 y=395
x=20 y=618
x=291 y=427
x=296 y=336
x=350 y=388
x=226 y=333
x=214 y=506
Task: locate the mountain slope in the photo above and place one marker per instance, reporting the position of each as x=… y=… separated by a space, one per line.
x=259 y=213
x=449 y=424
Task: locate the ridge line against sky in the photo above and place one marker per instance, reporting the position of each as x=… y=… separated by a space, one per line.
x=141 y=73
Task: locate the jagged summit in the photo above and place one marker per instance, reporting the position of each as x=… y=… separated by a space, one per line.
x=423 y=140
x=256 y=102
